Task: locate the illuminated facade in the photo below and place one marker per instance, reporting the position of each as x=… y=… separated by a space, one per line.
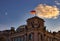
x=34 y=30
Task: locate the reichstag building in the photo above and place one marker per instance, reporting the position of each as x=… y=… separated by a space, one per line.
x=34 y=30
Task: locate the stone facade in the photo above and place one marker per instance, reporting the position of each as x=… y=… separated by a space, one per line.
x=34 y=30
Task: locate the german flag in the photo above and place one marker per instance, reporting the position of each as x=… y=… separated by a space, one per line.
x=33 y=12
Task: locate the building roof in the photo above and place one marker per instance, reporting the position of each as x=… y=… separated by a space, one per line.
x=36 y=17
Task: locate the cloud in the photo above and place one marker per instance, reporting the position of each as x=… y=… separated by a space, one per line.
x=46 y=11
x=58 y=3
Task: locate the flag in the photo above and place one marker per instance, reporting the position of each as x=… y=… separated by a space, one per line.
x=33 y=12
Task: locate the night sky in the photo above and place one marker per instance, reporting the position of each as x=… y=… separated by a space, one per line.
x=14 y=13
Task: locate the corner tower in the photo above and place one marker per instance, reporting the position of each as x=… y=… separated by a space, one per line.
x=35 y=22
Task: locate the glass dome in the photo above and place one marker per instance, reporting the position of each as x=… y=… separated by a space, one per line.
x=20 y=28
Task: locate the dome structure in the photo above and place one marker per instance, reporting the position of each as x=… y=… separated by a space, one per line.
x=20 y=28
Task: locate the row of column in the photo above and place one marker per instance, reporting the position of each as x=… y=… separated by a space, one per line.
x=34 y=37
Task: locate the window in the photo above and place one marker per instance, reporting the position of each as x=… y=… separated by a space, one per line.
x=25 y=38
x=17 y=39
x=30 y=36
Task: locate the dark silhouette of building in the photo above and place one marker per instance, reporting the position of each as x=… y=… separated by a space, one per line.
x=34 y=30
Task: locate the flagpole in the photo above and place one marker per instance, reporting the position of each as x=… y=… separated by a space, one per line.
x=35 y=13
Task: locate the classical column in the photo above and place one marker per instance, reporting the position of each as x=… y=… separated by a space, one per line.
x=39 y=37
x=22 y=38
x=35 y=36
x=25 y=38
x=32 y=36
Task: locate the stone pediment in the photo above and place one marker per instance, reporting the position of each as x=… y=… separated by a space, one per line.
x=35 y=17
